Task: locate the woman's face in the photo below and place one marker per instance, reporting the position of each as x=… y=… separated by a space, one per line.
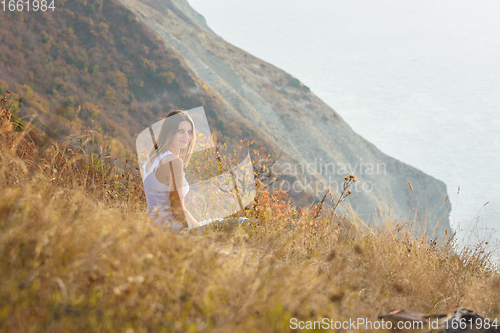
x=184 y=135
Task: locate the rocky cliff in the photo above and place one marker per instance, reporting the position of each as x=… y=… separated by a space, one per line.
x=321 y=147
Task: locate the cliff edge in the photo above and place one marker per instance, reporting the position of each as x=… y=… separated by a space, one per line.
x=323 y=148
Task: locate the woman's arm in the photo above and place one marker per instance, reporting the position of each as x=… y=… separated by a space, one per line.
x=164 y=170
x=190 y=219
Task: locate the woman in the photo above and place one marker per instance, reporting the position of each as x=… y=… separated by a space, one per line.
x=174 y=147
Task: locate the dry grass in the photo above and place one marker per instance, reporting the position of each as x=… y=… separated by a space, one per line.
x=76 y=254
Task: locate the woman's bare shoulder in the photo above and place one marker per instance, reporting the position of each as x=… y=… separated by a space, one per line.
x=176 y=161
x=163 y=171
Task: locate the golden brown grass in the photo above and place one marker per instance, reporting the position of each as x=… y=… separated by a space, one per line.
x=76 y=254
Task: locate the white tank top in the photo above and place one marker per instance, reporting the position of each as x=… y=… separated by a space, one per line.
x=157 y=194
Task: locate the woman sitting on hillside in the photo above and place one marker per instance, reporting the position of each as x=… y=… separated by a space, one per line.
x=175 y=145
x=167 y=159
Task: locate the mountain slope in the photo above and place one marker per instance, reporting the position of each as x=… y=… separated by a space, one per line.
x=308 y=130
x=92 y=65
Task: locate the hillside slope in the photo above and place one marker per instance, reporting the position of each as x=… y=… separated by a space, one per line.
x=295 y=119
x=92 y=65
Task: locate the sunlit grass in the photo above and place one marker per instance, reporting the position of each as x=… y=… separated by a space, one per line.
x=76 y=254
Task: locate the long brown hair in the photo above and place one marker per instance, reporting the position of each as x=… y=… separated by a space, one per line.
x=167 y=132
